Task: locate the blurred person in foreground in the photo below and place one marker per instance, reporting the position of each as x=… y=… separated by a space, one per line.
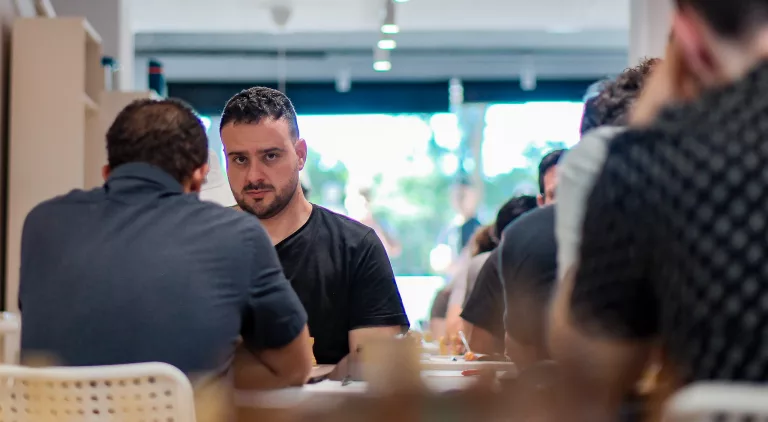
x=673 y=248
x=142 y=270
x=337 y=266
x=484 y=297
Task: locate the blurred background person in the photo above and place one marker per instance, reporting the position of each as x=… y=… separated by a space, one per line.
x=484 y=242
x=484 y=308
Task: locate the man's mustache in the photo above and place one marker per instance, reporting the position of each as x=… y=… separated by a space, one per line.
x=259 y=186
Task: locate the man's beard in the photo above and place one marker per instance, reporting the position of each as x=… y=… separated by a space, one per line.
x=282 y=199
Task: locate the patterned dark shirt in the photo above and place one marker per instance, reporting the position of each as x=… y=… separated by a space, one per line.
x=675 y=243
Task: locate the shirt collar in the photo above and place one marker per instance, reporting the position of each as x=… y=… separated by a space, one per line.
x=141 y=178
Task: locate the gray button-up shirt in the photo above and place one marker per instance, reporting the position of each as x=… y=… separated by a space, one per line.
x=140 y=271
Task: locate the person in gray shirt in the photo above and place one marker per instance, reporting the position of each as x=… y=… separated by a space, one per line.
x=142 y=270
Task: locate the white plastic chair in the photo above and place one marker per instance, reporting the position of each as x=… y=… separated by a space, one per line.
x=10 y=337
x=144 y=392
x=718 y=402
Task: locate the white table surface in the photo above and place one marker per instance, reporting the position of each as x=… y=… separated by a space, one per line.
x=328 y=392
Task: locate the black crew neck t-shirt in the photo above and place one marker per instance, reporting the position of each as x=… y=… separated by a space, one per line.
x=674 y=236
x=485 y=305
x=528 y=267
x=343 y=277
x=514 y=282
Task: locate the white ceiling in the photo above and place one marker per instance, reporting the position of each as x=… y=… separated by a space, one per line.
x=158 y=16
x=228 y=40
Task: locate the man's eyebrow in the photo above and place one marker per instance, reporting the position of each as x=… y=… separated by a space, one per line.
x=261 y=151
x=271 y=150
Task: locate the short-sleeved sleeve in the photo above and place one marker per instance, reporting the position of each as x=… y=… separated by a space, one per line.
x=577 y=173
x=374 y=298
x=613 y=294
x=485 y=305
x=273 y=315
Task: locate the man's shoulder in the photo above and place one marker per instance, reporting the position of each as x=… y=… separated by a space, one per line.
x=344 y=227
x=533 y=234
x=535 y=221
x=52 y=207
x=226 y=221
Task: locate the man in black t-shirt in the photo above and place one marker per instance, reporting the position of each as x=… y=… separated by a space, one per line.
x=485 y=309
x=485 y=305
x=528 y=267
x=338 y=267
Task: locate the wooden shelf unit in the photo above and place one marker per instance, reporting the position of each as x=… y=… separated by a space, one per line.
x=56 y=87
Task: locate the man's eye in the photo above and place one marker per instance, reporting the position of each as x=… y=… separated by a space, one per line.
x=239 y=160
x=271 y=157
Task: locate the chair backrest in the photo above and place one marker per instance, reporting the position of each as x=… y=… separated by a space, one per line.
x=148 y=392
x=10 y=338
x=718 y=402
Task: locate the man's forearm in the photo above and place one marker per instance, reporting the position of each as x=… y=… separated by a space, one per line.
x=252 y=374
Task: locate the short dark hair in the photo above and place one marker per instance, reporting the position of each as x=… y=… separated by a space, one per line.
x=733 y=18
x=165 y=133
x=512 y=209
x=252 y=105
x=550 y=160
x=614 y=102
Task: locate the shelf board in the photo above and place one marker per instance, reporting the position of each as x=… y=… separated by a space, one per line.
x=91 y=33
x=90 y=105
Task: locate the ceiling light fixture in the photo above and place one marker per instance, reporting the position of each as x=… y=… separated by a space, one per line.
x=387 y=43
x=381 y=61
x=389 y=26
x=382 y=66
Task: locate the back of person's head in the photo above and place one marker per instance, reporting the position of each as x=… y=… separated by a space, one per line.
x=716 y=42
x=611 y=106
x=255 y=104
x=732 y=18
x=482 y=241
x=164 y=133
x=511 y=210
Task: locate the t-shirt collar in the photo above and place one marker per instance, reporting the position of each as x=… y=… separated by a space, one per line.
x=141 y=178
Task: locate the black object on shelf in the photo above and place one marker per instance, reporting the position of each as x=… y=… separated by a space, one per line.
x=157 y=78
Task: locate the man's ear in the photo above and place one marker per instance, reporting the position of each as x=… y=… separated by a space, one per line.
x=540 y=200
x=105 y=172
x=301 y=151
x=692 y=54
x=197 y=179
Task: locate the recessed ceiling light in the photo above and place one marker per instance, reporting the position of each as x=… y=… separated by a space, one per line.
x=387 y=44
x=382 y=66
x=390 y=28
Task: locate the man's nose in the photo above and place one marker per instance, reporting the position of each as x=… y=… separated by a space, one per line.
x=255 y=174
